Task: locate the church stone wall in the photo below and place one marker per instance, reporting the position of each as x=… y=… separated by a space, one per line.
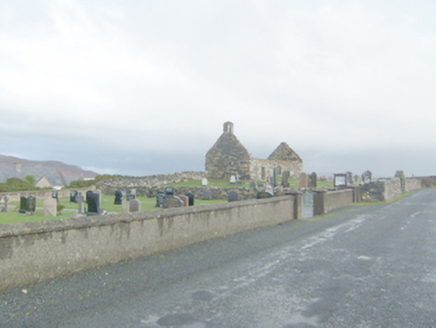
x=262 y=168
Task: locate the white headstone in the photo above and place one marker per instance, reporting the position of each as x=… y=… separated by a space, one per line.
x=50 y=206
x=232 y=179
x=204 y=182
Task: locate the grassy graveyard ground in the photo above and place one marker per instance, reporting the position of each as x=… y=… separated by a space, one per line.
x=147 y=204
x=70 y=209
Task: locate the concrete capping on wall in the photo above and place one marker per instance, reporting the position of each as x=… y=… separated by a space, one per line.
x=325 y=201
x=35 y=251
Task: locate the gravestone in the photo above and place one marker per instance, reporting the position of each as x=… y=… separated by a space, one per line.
x=24 y=205
x=260 y=186
x=80 y=202
x=118 y=198
x=55 y=194
x=130 y=197
x=263 y=194
x=253 y=185
x=93 y=203
x=185 y=199
x=350 y=178
x=5 y=208
x=99 y=193
x=169 y=191
x=238 y=179
x=312 y=180
x=274 y=178
x=367 y=176
x=31 y=201
x=160 y=198
x=233 y=196
x=73 y=195
x=232 y=180
x=207 y=195
x=50 y=206
x=303 y=180
x=269 y=189
x=172 y=201
x=191 y=197
x=204 y=182
x=134 y=205
x=88 y=193
x=285 y=177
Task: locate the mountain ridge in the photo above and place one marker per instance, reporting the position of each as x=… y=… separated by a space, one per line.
x=11 y=166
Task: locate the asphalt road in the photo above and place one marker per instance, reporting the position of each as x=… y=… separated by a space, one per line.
x=362 y=266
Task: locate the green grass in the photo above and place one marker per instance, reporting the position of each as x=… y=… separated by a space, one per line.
x=107 y=203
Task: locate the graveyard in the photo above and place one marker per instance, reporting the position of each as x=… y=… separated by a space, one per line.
x=70 y=209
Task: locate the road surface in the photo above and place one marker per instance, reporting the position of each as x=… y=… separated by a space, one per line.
x=362 y=266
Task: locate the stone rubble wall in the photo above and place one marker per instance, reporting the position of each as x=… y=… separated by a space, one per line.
x=387 y=189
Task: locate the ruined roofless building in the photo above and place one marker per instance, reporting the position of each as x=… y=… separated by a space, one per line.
x=229 y=157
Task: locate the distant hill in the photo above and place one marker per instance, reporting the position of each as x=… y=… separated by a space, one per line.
x=17 y=167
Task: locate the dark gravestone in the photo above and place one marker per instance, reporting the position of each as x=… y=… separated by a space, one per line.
x=285 y=181
x=169 y=191
x=88 y=193
x=93 y=203
x=191 y=197
x=172 y=201
x=312 y=180
x=160 y=198
x=118 y=198
x=130 y=197
x=263 y=194
x=24 y=205
x=349 y=178
x=207 y=195
x=233 y=196
x=253 y=185
x=73 y=195
x=31 y=201
x=55 y=194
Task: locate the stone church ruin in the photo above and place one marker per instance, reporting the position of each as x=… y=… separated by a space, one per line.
x=229 y=157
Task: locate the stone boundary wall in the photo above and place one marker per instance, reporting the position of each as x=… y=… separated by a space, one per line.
x=16 y=195
x=326 y=201
x=35 y=251
x=151 y=181
x=387 y=189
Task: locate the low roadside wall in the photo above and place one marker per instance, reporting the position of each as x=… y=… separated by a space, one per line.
x=36 y=251
x=326 y=201
x=387 y=189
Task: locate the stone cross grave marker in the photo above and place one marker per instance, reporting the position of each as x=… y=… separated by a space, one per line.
x=50 y=206
x=80 y=199
x=233 y=196
x=5 y=208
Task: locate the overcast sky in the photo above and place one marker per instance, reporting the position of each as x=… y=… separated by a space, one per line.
x=144 y=87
